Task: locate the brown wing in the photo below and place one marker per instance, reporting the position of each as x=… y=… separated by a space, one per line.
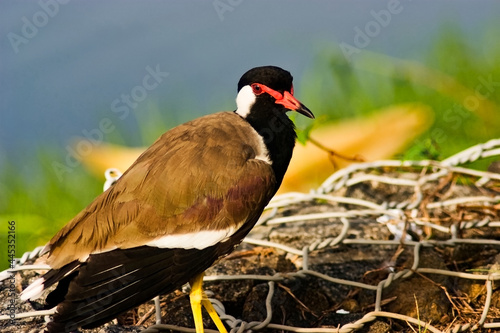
x=199 y=176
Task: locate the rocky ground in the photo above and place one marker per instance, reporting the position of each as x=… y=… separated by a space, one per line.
x=313 y=302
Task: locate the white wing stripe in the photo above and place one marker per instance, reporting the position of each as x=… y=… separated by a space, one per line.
x=195 y=240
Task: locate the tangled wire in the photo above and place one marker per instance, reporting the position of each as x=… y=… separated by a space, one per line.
x=414 y=205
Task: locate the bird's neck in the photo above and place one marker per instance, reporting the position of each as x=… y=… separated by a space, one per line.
x=278 y=133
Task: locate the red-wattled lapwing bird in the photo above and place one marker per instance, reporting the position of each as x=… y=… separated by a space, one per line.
x=187 y=201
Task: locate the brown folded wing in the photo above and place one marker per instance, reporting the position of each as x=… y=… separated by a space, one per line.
x=200 y=176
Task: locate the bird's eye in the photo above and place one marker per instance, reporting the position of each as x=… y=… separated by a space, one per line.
x=257 y=89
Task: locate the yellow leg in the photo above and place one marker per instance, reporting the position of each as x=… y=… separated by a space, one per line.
x=195 y=297
x=198 y=298
x=213 y=314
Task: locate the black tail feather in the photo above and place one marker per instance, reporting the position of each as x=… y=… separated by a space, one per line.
x=55 y=275
x=112 y=282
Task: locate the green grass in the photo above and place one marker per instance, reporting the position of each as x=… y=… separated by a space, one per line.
x=336 y=89
x=40 y=204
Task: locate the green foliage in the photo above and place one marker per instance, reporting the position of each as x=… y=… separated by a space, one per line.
x=460 y=84
x=423 y=149
x=40 y=203
x=304 y=130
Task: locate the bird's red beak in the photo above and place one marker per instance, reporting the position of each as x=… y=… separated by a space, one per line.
x=290 y=102
x=287 y=100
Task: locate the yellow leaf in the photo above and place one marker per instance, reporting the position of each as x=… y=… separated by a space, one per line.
x=380 y=136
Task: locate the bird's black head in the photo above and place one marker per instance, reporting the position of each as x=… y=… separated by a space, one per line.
x=271 y=76
x=267 y=88
x=265 y=94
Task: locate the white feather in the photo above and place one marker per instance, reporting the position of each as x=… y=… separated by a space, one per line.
x=34 y=290
x=195 y=240
x=263 y=154
x=244 y=101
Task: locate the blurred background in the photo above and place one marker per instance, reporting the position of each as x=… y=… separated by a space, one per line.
x=82 y=80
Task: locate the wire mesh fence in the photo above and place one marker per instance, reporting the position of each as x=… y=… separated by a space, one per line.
x=392 y=231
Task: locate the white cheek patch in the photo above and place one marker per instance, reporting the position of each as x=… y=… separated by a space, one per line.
x=244 y=101
x=194 y=240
